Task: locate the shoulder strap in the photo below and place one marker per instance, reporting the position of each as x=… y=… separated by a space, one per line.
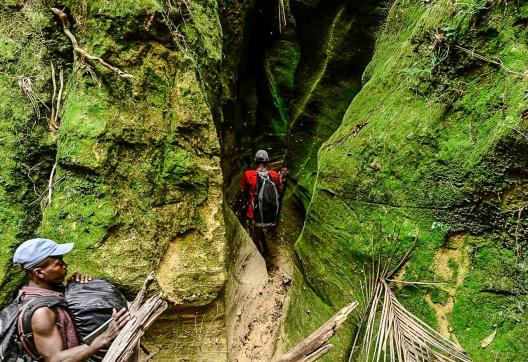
x=25 y=331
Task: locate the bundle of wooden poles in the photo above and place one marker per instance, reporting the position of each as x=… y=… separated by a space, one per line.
x=143 y=312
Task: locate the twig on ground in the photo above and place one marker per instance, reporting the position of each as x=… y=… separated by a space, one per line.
x=497 y=62
x=77 y=49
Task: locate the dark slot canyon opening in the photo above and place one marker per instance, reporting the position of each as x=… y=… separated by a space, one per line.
x=286 y=92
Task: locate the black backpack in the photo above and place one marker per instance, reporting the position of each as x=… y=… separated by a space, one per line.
x=90 y=305
x=12 y=343
x=266 y=207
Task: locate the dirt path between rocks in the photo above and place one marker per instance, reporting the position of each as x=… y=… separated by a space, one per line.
x=259 y=301
x=256 y=299
x=260 y=313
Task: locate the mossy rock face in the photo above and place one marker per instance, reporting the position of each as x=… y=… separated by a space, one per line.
x=336 y=42
x=434 y=146
x=138 y=184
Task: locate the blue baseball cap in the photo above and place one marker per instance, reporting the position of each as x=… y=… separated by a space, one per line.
x=31 y=252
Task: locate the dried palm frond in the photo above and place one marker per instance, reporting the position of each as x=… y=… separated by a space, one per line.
x=388 y=331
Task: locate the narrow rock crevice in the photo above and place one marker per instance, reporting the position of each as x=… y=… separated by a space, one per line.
x=286 y=92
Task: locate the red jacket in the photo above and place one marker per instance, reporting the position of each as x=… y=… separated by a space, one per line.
x=249 y=186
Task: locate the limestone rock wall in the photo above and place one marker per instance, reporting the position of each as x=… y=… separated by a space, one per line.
x=137 y=183
x=431 y=153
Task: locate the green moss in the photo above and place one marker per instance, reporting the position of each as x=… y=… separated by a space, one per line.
x=83 y=122
x=431 y=158
x=489 y=297
x=79 y=213
x=8 y=50
x=125 y=8
x=306 y=312
x=137 y=159
x=336 y=43
x=25 y=153
x=204 y=30
x=280 y=64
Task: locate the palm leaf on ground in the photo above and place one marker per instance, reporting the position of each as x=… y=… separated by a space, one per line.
x=388 y=331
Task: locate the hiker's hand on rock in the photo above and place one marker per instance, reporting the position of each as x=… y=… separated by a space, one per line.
x=80 y=278
x=119 y=320
x=283 y=171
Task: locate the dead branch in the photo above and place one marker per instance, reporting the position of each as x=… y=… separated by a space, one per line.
x=53 y=96
x=497 y=62
x=53 y=124
x=143 y=316
x=282 y=14
x=316 y=345
x=140 y=297
x=50 y=183
x=59 y=97
x=77 y=49
x=320 y=352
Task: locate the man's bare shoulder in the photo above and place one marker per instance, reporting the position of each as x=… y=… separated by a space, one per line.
x=43 y=320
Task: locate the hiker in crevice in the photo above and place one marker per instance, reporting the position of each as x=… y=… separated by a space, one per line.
x=48 y=332
x=262 y=189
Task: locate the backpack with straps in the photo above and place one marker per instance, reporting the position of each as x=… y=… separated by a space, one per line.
x=266 y=207
x=16 y=335
x=90 y=306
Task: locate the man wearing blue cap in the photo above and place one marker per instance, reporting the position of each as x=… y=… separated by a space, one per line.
x=54 y=337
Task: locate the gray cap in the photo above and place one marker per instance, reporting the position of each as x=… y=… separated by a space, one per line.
x=31 y=252
x=261 y=155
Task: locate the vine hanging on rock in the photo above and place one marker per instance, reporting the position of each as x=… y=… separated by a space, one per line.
x=77 y=49
x=53 y=123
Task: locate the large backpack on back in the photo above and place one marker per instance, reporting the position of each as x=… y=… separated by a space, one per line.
x=16 y=344
x=90 y=305
x=266 y=207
